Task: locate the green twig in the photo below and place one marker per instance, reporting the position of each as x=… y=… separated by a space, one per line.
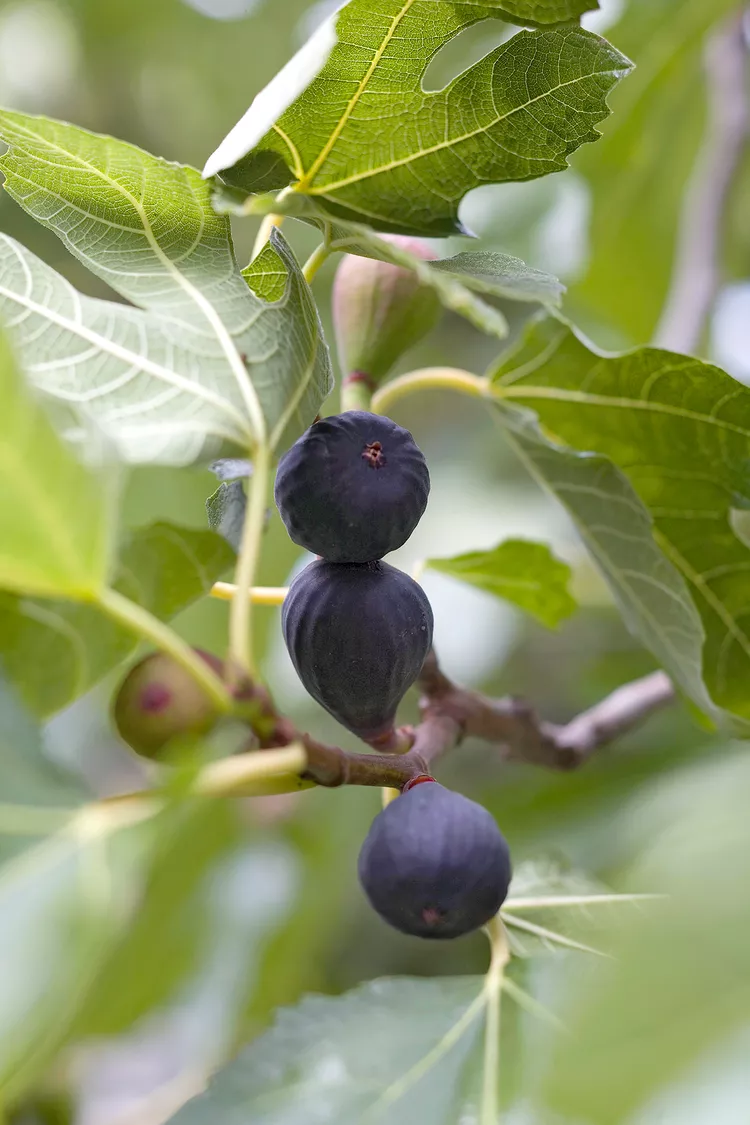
x=139 y=621
x=430 y=379
x=318 y=257
x=240 y=638
x=356 y=392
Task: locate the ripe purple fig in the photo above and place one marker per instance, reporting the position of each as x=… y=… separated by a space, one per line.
x=380 y=311
x=435 y=864
x=358 y=637
x=159 y=700
x=353 y=488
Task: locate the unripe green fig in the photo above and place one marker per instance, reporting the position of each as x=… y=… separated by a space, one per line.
x=380 y=311
x=435 y=864
x=159 y=700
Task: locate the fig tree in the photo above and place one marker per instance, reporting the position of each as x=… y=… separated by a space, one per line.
x=353 y=488
x=434 y=863
x=358 y=637
x=159 y=700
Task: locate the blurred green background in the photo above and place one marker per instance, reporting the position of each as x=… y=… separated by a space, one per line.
x=251 y=907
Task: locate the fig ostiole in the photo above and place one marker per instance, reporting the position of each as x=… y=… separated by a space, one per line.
x=159 y=700
x=358 y=636
x=434 y=863
x=353 y=488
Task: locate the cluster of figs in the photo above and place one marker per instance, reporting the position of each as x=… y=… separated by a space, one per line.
x=358 y=630
x=351 y=490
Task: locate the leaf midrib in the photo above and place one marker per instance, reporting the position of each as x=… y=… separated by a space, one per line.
x=586 y=398
x=450 y=143
x=134 y=359
x=309 y=176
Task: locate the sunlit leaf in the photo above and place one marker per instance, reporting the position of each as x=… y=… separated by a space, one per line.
x=526 y=574
x=367 y=142
x=202 y=361
x=55 y=513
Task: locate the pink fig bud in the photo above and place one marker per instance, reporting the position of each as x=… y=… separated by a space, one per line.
x=380 y=311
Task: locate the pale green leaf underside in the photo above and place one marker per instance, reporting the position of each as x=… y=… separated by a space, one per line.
x=501 y=275
x=202 y=361
x=62 y=905
x=526 y=574
x=55 y=523
x=368 y=143
x=392 y=1052
x=616 y=528
x=55 y=650
x=679 y=432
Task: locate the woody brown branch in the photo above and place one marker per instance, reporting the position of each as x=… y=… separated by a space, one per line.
x=451 y=713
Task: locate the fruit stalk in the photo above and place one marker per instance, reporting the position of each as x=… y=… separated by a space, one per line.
x=241 y=655
x=356 y=391
x=140 y=622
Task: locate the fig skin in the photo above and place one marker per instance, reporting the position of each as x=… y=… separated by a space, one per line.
x=358 y=637
x=380 y=311
x=353 y=488
x=435 y=864
x=159 y=700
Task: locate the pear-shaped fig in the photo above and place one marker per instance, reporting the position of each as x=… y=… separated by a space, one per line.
x=353 y=488
x=159 y=700
x=358 y=637
x=380 y=311
x=434 y=863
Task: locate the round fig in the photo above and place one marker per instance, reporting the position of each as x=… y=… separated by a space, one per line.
x=434 y=863
x=353 y=488
x=358 y=637
x=159 y=700
x=381 y=310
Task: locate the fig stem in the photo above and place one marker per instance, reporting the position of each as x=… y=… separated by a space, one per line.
x=143 y=624
x=259 y=595
x=264 y=232
x=490 y=1111
x=356 y=393
x=240 y=618
x=319 y=256
x=257 y=773
x=430 y=379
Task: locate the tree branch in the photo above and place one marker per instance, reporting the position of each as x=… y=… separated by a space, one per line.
x=451 y=713
x=696 y=275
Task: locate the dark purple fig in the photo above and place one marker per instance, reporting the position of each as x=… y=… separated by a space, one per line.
x=159 y=700
x=358 y=637
x=434 y=863
x=352 y=488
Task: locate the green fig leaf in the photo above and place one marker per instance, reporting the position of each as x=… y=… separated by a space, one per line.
x=526 y=574
x=202 y=361
x=348 y=124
